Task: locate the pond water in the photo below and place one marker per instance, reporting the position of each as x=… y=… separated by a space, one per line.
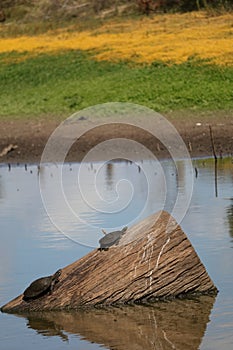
x=39 y=236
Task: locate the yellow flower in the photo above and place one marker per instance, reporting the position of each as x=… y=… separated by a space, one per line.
x=169 y=38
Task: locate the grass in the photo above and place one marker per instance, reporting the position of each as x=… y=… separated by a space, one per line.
x=63 y=83
x=167 y=62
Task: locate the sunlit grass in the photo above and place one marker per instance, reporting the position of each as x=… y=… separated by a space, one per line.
x=64 y=83
x=168 y=62
x=173 y=38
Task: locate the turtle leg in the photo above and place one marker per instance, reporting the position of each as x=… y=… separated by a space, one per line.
x=102 y=248
x=117 y=242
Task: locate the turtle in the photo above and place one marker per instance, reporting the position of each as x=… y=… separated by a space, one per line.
x=41 y=286
x=111 y=238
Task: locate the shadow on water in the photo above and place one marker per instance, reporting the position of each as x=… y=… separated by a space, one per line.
x=177 y=324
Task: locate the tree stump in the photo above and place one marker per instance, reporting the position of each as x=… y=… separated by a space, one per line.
x=149 y=263
x=2 y=16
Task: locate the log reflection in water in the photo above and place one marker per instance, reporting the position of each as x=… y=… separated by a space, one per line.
x=173 y=324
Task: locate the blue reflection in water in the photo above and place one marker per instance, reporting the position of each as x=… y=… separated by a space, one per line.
x=36 y=241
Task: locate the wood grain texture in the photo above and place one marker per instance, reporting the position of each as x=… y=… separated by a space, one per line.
x=150 y=262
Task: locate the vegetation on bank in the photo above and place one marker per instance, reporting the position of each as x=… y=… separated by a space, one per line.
x=166 y=62
x=69 y=81
x=170 y=39
x=63 y=10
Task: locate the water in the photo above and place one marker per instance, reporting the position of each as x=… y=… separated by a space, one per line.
x=39 y=237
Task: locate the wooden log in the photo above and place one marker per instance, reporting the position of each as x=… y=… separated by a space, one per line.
x=149 y=263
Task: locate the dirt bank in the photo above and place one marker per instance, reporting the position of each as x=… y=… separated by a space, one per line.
x=30 y=136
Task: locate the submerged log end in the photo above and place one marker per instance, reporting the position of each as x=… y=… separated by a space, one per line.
x=150 y=263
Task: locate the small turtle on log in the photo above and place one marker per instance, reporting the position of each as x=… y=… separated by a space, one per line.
x=111 y=238
x=41 y=286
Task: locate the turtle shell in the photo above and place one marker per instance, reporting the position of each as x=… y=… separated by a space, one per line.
x=111 y=238
x=41 y=285
x=38 y=287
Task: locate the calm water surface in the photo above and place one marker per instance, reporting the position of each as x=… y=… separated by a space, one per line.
x=36 y=241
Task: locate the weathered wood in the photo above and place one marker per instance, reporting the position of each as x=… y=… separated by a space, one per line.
x=150 y=262
x=8 y=149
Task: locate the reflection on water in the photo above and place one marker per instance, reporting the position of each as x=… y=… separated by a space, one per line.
x=159 y=326
x=47 y=327
x=230 y=218
x=31 y=247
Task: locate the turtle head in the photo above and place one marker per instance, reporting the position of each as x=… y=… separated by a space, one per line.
x=57 y=275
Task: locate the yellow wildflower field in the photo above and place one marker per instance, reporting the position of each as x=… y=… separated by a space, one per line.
x=172 y=38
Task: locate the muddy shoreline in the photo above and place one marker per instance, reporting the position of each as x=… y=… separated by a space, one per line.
x=30 y=137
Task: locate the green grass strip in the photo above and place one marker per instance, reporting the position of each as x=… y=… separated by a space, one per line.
x=66 y=82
